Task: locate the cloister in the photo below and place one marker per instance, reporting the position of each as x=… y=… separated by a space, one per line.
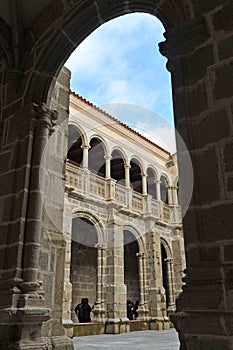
x=36 y=40
x=122 y=221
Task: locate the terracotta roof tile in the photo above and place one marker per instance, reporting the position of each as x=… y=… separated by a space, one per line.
x=116 y=120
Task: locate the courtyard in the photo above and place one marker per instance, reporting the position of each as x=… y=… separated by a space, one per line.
x=144 y=340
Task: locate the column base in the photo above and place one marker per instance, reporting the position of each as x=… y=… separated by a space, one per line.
x=159 y=324
x=143 y=312
x=117 y=326
x=99 y=313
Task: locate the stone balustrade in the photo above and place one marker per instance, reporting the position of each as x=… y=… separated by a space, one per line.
x=83 y=182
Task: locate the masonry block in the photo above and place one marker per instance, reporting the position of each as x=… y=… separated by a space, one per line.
x=225 y=48
x=190 y=69
x=222 y=20
x=205 y=6
x=227 y=157
x=221 y=78
x=210 y=129
x=206 y=172
x=216 y=223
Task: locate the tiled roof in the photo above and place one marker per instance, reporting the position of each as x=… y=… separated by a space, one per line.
x=116 y=120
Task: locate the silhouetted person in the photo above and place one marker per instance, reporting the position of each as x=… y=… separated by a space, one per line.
x=135 y=312
x=130 y=306
x=83 y=311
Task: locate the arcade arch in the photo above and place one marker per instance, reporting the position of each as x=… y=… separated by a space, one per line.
x=96 y=157
x=83 y=267
x=118 y=167
x=75 y=142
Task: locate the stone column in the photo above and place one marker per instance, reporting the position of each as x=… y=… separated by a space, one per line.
x=144 y=184
x=85 y=149
x=127 y=175
x=204 y=310
x=45 y=120
x=169 y=195
x=115 y=289
x=142 y=308
x=21 y=318
x=170 y=280
x=158 y=192
x=99 y=310
x=175 y=195
x=67 y=298
x=108 y=167
x=156 y=292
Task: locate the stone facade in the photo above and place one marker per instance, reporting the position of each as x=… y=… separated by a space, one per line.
x=116 y=221
x=36 y=41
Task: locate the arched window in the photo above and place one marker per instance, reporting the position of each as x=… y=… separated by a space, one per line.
x=163 y=189
x=151 y=186
x=135 y=176
x=117 y=167
x=83 y=268
x=96 y=160
x=131 y=268
x=75 y=152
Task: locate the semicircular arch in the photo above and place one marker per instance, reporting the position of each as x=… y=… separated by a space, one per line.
x=166 y=247
x=74 y=27
x=137 y=235
x=97 y=223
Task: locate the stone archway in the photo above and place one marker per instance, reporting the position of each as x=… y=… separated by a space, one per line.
x=197 y=46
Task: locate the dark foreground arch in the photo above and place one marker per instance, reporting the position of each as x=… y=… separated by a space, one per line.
x=34 y=46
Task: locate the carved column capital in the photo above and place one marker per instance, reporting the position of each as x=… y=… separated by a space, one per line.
x=45 y=117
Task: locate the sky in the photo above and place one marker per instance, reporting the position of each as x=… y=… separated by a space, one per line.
x=120 y=69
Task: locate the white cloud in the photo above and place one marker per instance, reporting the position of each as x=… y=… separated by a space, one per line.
x=119 y=62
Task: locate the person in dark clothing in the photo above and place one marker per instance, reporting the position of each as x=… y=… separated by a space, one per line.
x=78 y=311
x=130 y=306
x=135 y=312
x=83 y=311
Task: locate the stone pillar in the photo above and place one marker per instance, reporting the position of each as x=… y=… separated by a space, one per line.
x=169 y=195
x=108 y=167
x=127 y=175
x=204 y=310
x=67 y=298
x=158 y=192
x=85 y=156
x=115 y=289
x=156 y=292
x=99 y=310
x=170 y=280
x=21 y=319
x=144 y=184
x=174 y=195
x=45 y=120
x=142 y=308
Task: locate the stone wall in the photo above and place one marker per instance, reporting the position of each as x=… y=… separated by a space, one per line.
x=83 y=273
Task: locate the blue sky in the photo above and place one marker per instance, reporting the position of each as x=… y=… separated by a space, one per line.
x=119 y=64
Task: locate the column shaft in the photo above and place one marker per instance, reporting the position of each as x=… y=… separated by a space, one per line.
x=158 y=192
x=45 y=119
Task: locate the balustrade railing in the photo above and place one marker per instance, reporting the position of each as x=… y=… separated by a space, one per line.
x=89 y=184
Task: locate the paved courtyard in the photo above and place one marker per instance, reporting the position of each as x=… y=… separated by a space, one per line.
x=144 y=340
